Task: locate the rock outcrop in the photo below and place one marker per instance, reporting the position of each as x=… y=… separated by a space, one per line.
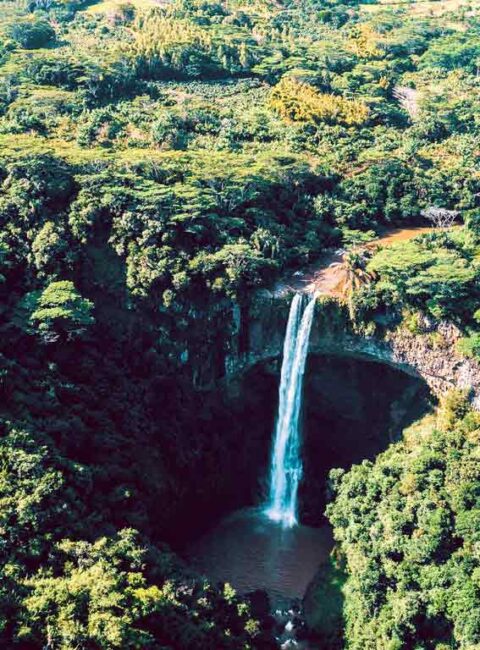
x=430 y=355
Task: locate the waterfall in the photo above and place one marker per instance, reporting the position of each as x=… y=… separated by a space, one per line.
x=286 y=462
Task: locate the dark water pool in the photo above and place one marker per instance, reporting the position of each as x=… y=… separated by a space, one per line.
x=250 y=551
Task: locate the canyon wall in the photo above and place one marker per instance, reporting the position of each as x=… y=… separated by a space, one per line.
x=258 y=334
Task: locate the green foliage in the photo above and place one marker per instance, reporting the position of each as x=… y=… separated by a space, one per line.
x=61 y=312
x=413 y=322
x=36 y=509
x=300 y=102
x=408 y=525
x=104 y=591
x=239 y=262
x=354 y=238
x=50 y=248
x=34 y=187
x=434 y=274
x=453 y=51
x=55 y=70
x=115 y=592
x=4 y=264
x=384 y=192
x=469 y=346
x=169 y=130
x=32 y=33
x=166 y=161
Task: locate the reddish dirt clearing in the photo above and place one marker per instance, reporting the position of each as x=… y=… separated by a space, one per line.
x=327 y=276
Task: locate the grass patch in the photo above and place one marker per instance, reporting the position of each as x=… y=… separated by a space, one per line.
x=107 y=6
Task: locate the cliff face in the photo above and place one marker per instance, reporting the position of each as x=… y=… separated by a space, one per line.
x=232 y=358
x=433 y=356
x=258 y=337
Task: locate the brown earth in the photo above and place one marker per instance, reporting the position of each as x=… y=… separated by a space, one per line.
x=328 y=275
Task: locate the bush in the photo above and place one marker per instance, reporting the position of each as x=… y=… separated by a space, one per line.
x=50 y=248
x=301 y=102
x=32 y=34
x=413 y=322
x=55 y=71
x=469 y=346
x=61 y=312
x=170 y=131
x=408 y=525
x=428 y=275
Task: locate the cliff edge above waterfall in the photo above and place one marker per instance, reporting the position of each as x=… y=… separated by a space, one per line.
x=431 y=352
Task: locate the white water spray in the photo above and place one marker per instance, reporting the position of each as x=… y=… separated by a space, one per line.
x=286 y=463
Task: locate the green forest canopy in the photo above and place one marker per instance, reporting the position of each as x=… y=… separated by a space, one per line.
x=157 y=164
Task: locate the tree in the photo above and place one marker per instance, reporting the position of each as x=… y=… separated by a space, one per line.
x=4 y=262
x=33 y=186
x=32 y=33
x=440 y=217
x=97 y=595
x=50 y=248
x=408 y=525
x=355 y=264
x=301 y=102
x=430 y=273
x=169 y=131
x=37 y=508
x=61 y=312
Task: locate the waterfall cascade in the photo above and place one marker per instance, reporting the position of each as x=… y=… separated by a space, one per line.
x=286 y=462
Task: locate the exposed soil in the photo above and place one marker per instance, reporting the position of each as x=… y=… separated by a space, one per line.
x=328 y=275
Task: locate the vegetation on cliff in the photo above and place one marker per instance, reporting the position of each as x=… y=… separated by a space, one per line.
x=157 y=163
x=408 y=526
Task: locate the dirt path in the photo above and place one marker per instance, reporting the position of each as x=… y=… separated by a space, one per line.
x=328 y=275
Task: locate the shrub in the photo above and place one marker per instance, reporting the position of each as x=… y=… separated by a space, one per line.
x=61 y=312
x=469 y=346
x=408 y=526
x=55 y=71
x=32 y=34
x=170 y=131
x=301 y=102
x=413 y=322
x=50 y=248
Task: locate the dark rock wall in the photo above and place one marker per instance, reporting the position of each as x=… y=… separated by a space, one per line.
x=431 y=356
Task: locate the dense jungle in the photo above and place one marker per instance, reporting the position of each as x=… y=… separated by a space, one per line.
x=168 y=168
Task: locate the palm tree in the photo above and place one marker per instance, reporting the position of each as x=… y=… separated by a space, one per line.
x=356 y=275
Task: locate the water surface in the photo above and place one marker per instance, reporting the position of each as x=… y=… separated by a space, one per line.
x=250 y=551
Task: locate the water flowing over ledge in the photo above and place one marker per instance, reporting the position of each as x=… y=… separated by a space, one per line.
x=286 y=461
x=260 y=337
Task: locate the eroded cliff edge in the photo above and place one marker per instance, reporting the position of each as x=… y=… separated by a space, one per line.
x=257 y=336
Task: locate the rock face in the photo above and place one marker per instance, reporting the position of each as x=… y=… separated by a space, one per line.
x=433 y=356
x=430 y=355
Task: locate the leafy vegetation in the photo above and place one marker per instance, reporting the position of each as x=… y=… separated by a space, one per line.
x=408 y=527
x=437 y=273
x=158 y=163
x=32 y=34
